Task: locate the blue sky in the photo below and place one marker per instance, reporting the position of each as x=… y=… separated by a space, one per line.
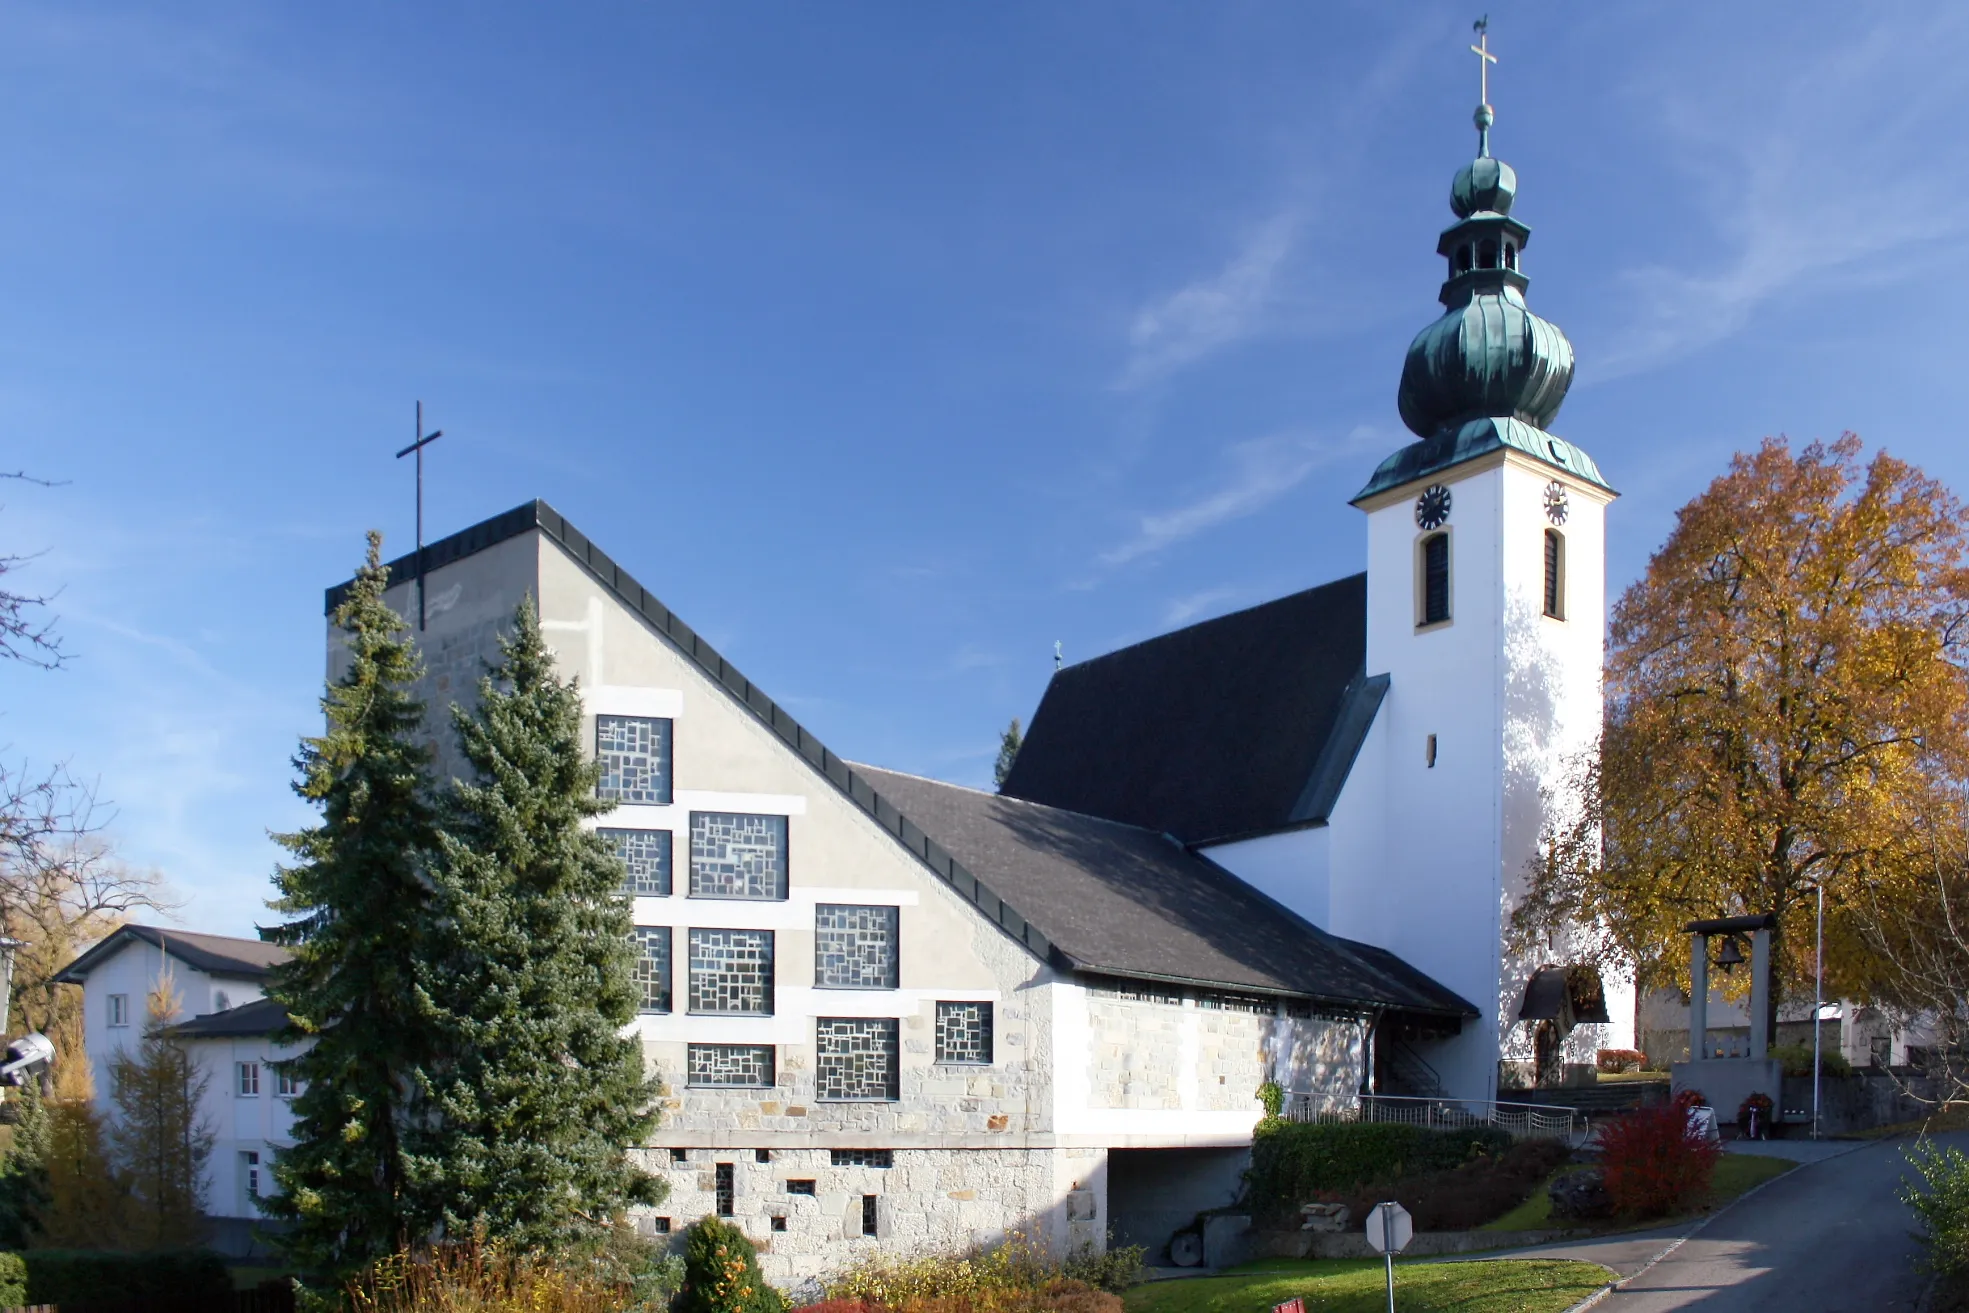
x=887 y=343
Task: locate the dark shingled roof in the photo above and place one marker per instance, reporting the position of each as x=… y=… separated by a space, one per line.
x=217 y=955
x=1121 y=900
x=262 y=1016
x=1236 y=726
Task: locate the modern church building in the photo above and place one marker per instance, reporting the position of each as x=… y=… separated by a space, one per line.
x=1282 y=844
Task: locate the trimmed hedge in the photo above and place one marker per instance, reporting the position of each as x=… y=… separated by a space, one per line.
x=62 y=1276
x=1295 y=1162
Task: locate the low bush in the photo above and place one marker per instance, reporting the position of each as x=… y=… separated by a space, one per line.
x=1613 y=1061
x=1941 y=1205
x=1653 y=1164
x=64 y=1276
x=1293 y=1162
x=1472 y=1193
x=1797 y=1060
x=1017 y=1274
x=480 y=1277
x=721 y=1273
x=13 y=1280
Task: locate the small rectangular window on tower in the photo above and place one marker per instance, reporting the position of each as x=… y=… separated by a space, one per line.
x=868 y=1215
x=1555 y=574
x=1435 y=579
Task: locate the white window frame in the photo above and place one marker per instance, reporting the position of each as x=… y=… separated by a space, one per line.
x=119 y=1010
x=246 y=1080
x=249 y=1172
x=286 y=1085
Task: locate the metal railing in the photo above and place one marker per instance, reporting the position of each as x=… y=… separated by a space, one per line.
x=1521 y=1121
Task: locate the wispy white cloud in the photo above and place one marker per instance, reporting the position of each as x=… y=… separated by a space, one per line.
x=1210 y=313
x=1820 y=171
x=1261 y=471
x=1181 y=610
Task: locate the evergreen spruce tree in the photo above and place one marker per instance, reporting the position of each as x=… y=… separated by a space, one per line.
x=158 y=1142
x=357 y=897
x=540 y=1094
x=1009 y=744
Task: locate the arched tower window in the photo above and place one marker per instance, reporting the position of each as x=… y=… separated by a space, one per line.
x=1463 y=258
x=1433 y=580
x=1510 y=255
x=1555 y=574
x=1487 y=255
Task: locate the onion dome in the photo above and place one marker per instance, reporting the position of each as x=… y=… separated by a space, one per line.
x=1488 y=356
x=1489 y=374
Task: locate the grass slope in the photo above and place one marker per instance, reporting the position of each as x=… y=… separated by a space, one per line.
x=1736 y=1173
x=1359 y=1285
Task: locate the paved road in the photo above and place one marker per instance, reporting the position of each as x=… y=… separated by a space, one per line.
x=1831 y=1236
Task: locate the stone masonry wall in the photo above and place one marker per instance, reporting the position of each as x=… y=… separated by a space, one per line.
x=930 y=1200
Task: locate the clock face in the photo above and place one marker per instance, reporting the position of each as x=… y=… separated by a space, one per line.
x=1555 y=502
x=1432 y=507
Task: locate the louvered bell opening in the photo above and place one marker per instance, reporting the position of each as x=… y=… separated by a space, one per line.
x=1554 y=589
x=1435 y=579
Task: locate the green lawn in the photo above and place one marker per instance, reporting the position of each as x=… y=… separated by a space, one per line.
x=1736 y=1173
x=1359 y=1285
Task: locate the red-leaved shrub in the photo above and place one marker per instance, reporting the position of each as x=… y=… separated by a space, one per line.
x=1653 y=1165
x=1611 y=1061
x=838 y=1306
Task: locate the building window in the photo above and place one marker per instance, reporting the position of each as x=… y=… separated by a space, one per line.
x=861 y=1157
x=779 y=1221
x=660 y=1225
x=286 y=1084
x=727 y=1190
x=857 y=1060
x=868 y=1214
x=119 y=1009
x=736 y=855
x=800 y=1187
x=634 y=752
x=651 y=972
x=249 y=1172
x=1220 y=1001
x=855 y=947
x=249 y=1079
x=680 y=1155
x=1434 y=579
x=745 y=1066
x=645 y=858
x=1555 y=574
x=732 y=971
x=964 y=1032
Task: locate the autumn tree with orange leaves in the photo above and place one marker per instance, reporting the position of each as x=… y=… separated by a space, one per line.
x=1786 y=708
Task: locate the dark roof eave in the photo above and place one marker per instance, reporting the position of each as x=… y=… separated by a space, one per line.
x=1363 y=1006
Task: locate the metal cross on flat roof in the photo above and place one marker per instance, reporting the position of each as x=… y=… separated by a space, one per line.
x=423 y=440
x=1484 y=58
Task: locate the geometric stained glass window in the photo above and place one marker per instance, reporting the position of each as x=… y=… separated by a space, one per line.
x=741 y=1065
x=651 y=972
x=731 y=971
x=854 y=947
x=634 y=752
x=858 y=1058
x=964 y=1032
x=646 y=856
x=738 y=855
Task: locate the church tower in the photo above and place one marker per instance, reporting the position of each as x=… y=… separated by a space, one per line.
x=1486 y=609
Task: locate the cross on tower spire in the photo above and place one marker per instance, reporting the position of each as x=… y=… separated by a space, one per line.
x=423 y=440
x=1485 y=59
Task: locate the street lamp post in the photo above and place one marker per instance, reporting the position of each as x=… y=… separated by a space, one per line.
x=1818 y=1007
